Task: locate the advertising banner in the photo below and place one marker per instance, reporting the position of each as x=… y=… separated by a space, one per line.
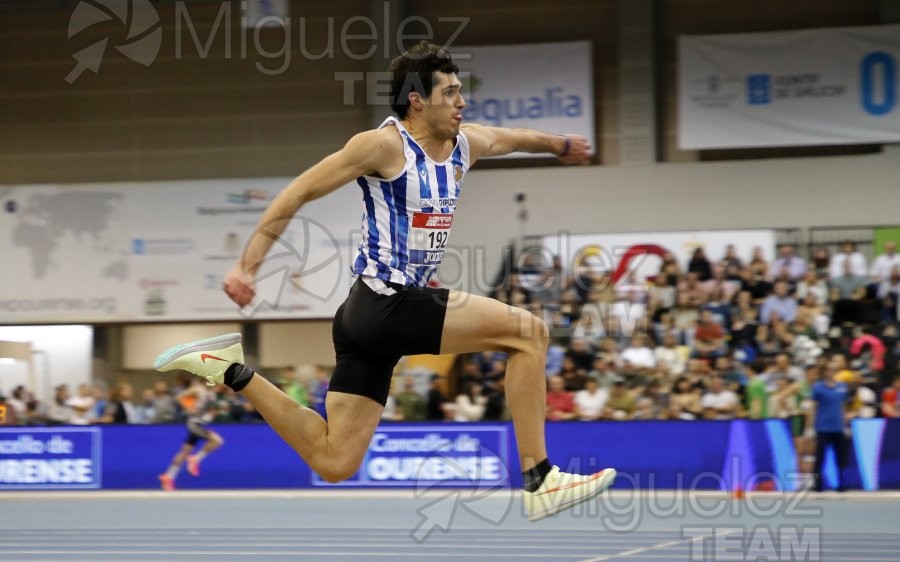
x=65 y=458
x=159 y=252
x=635 y=256
x=434 y=455
x=790 y=88
x=479 y=457
x=545 y=86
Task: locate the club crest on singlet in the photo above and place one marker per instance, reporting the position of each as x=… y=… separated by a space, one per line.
x=407 y=219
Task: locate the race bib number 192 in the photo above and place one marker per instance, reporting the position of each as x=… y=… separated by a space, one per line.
x=428 y=237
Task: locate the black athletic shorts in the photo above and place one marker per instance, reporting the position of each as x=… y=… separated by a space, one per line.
x=371 y=332
x=197 y=431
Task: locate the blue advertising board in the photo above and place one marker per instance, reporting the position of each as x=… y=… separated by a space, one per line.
x=452 y=455
x=699 y=455
x=50 y=458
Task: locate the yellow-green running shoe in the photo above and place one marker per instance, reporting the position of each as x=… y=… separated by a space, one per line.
x=208 y=358
x=562 y=490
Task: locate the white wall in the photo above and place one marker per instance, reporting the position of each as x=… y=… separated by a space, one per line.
x=777 y=193
x=62 y=355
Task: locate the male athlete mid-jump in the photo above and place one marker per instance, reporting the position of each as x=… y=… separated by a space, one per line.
x=410 y=171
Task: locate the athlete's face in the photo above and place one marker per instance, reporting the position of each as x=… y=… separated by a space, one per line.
x=443 y=110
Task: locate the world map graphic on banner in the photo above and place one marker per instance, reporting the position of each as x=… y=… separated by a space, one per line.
x=159 y=251
x=45 y=220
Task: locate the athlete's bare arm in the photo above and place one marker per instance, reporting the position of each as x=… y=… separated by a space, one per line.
x=498 y=141
x=377 y=152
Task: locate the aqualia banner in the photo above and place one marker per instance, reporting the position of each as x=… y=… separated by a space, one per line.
x=544 y=86
x=789 y=88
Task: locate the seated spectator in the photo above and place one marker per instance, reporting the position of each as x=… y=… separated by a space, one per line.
x=885 y=263
x=621 y=404
x=758 y=265
x=434 y=407
x=555 y=355
x=889 y=294
x=731 y=262
x=644 y=409
x=709 y=338
x=638 y=355
x=669 y=356
x=495 y=408
x=718 y=402
x=164 y=406
x=755 y=284
x=82 y=406
x=144 y=410
x=16 y=402
x=101 y=401
x=670 y=269
x=814 y=315
x=661 y=293
x=789 y=265
x=410 y=403
x=847 y=261
x=721 y=282
x=120 y=408
x=733 y=376
x=573 y=378
x=581 y=354
x=684 y=319
x=820 y=262
x=719 y=307
x=699 y=265
x=779 y=302
x=604 y=371
x=470 y=404
x=59 y=412
x=560 y=402
x=782 y=368
x=692 y=289
x=590 y=401
x=609 y=351
x=812 y=286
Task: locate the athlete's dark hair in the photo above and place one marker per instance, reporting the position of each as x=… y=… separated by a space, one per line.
x=413 y=71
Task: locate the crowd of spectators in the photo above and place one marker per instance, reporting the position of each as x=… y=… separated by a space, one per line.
x=713 y=338
x=94 y=404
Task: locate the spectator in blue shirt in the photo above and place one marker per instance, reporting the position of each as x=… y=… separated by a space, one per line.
x=780 y=303
x=830 y=397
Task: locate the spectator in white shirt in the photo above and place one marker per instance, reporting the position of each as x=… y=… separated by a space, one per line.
x=667 y=355
x=638 y=354
x=719 y=403
x=82 y=406
x=849 y=254
x=883 y=264
x=470 y=404
x=590 y=401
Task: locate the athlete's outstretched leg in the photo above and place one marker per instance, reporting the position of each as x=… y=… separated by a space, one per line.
x=474 y=323
x=334 y=450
